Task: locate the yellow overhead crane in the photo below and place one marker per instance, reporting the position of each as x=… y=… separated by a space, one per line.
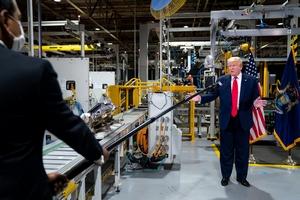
x=72 y=47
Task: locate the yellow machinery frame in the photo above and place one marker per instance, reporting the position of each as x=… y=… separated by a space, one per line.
x=130 y=95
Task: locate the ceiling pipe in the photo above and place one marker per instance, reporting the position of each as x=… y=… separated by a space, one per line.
x=109 y=33
x=197 y=8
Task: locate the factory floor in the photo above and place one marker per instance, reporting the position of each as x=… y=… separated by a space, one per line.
x=199 y=177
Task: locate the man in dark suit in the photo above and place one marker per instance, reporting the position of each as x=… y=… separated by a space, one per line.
x=30 y=103
x=238 y=93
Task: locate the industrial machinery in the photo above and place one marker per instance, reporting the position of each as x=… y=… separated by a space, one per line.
x=164 y=138
x=163 y=144
x=59 y=157
x=100 y=117
x=73 y=79
x=98 y=84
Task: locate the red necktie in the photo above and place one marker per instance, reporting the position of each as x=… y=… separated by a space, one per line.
x=234 y=97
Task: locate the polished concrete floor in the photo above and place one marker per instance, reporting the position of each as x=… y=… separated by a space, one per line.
x=199 y=178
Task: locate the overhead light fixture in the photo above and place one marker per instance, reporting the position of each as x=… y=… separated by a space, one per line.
x=280 y=24
x=109 y=43
x=97 y=29
x=264 y=46
x=185 y=26
x=187 y=47
x=57 y=0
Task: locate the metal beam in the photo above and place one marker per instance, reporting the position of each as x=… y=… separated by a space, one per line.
x=190 y=15
x=245 y=60
x=260 y=8
x=204 y=38
x=54 y=33
x=261 y=32
x=30 y=27
x=192 y=43
x=269 y=59
x=80 y=28
x=51 y=23
x=243 y=14
x=189 y=29
x=62 y=40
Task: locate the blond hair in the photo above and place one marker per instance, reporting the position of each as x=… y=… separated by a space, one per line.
x=235 y=59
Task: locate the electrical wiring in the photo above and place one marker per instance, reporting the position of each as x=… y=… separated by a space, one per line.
x=198 y=76
x=175 y=51
x=79 y=108
x=155 y=152
x=228 y=45
x=159 y=153
x=144 y=162
x=155 y=105
x=142 y=141
x=163 y=150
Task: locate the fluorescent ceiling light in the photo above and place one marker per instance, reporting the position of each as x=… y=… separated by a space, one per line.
x=97 y=29
x=264 y=46
x=109 y=43
x=57 y=0
x=280 y=24
x=187 y=47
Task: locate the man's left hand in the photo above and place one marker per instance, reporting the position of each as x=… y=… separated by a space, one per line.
x=258 y=103
x=57 y=182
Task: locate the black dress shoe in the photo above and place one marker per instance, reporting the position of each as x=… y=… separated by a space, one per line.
x=224 y=181
x=244 y=182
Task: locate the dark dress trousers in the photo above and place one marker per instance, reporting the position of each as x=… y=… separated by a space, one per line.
x=30 y=103
x=235 y=131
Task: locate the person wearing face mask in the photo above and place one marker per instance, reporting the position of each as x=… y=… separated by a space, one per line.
x=31 y=102
x=18 y=42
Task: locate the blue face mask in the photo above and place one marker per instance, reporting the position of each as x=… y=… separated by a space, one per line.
x=18 y=42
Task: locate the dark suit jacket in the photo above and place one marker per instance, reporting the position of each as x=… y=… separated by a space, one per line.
x=31 y=102
x=248 y=93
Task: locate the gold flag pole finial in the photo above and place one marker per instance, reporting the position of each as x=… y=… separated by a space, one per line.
x=293 y=52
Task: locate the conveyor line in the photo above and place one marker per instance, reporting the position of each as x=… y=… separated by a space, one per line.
x=130 y=132
x=59 y=157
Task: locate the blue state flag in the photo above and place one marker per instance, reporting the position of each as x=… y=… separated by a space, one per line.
x=287 y=109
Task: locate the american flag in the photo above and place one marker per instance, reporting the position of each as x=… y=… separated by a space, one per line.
x=259 y=128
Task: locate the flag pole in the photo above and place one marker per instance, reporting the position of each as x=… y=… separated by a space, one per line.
x=289 y=160
x=252 y=159
x=293 y=52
